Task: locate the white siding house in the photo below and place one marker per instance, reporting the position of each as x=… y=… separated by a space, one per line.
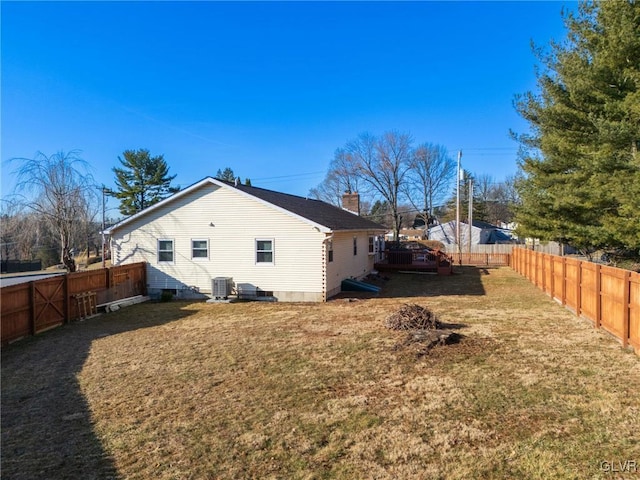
x=275 y=244
x=482 y=233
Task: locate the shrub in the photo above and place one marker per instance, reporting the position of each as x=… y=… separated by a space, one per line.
x=166 y=296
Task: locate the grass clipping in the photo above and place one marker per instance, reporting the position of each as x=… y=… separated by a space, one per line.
x=424 y=329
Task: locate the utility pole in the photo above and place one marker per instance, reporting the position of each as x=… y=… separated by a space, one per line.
x=458 y=239
x=470 y=214
x=104 y=260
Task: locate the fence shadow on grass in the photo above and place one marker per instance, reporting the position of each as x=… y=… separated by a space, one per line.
x=464 y=281
x=47 y=430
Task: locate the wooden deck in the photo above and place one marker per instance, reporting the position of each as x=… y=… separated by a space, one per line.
x=416 y=260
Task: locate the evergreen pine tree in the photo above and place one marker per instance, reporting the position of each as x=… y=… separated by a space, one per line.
x=581 y=181
x=142 y=181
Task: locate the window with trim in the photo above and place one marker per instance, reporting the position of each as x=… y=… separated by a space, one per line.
x=199 y=249
x=165 y=251
x=372 y=245
x=355 y=245
x=264 y=251
x=330 y=250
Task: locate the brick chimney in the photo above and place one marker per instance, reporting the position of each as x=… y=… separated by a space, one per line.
x=351 y=202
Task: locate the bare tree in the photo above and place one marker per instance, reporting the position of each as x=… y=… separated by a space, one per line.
x=382 y=163
x=504 y=200
x=20 y=232
x=60 y=190
x=341 y=178
x=432 y=170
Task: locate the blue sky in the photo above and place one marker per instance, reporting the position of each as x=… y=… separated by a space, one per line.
x=268 y=89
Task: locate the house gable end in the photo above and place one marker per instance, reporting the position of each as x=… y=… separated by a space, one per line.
x=326 y=218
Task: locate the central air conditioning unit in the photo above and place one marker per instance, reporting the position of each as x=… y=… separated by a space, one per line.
x=221 y=287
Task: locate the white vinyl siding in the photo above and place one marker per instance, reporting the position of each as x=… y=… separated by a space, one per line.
x=345 y=264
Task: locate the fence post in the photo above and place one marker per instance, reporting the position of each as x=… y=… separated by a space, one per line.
x=564 y=280
x=144 y=278
x=552 y=285
x=579 y=289
x=107 y=278
x=66 y=306
x=598 y=295
x=32 y=308
x=626 y=322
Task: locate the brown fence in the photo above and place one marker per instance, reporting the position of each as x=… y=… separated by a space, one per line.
x=36 y=306
x=481 y=259
x=608 y=296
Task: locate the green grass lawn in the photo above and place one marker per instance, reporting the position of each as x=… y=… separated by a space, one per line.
x=311 y=391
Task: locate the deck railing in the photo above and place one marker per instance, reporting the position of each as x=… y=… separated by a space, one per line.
x=423 y=259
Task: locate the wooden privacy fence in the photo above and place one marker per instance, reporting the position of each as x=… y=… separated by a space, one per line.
x=33 y=307
x=608 y=296
x=481 y=259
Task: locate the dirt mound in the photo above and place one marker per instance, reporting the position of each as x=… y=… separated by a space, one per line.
x=413 y=317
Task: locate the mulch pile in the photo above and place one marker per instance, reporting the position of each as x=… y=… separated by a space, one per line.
x=423 y=326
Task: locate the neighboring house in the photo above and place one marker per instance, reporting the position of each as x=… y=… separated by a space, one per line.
x=408 y=234
x=274 y=244
x=482 y=233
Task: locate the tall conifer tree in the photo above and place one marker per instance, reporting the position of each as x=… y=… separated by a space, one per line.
x=142 y=181
x=581 y=166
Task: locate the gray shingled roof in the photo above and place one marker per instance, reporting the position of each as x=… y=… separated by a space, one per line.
x=315 y=210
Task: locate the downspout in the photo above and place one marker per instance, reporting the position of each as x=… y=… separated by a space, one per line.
x=325 y=261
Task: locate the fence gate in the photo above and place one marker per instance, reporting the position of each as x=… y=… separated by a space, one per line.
x=48 y=300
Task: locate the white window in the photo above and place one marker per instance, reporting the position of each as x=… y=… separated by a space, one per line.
x=372 y=245
x=264 y=251
x=165 y=251
x=199 y=249
x=355 y=246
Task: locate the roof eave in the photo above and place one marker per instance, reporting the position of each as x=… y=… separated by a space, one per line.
x=354 y=230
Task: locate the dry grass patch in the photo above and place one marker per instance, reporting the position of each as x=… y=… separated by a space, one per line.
x=262 y=390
